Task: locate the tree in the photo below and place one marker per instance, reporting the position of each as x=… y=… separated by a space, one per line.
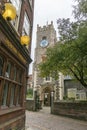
x=69 y=55
x=80 y=10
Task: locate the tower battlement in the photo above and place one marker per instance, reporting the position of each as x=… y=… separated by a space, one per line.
x=45 y=27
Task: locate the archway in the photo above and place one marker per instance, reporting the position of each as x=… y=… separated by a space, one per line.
x=47 y=96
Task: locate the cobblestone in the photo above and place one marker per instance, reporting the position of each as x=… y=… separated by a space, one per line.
x=43 y=120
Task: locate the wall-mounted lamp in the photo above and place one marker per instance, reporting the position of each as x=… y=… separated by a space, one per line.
x=25 y=40
x=9 y=11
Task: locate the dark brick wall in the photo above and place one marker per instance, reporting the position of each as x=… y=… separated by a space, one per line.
x=71 y=109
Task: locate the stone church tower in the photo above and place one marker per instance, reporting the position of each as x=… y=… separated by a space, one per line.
x=46 y=37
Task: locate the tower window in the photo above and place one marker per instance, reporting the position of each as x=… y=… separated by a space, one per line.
x=44 y=38
x=47 y=79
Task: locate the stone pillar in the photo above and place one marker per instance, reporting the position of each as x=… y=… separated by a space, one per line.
x=52 y=101
x=35 y=100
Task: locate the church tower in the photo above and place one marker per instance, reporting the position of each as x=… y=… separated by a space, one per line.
x=46 y=37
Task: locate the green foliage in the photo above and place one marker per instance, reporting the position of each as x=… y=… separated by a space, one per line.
x=69 y=55
x=80 y=9
x=65 y=97
x=29 y=93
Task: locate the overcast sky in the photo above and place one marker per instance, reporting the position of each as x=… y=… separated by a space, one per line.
x=47 y=11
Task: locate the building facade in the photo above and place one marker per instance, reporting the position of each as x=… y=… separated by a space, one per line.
x=29 y=82
x=14 y=64
x=74 y=90
x=46 y=37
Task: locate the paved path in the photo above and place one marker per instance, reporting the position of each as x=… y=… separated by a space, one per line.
x=43 y=120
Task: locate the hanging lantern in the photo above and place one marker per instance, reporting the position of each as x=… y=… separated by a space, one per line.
x=9 y=12
x=25 y=40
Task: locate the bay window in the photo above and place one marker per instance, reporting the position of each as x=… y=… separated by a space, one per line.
x=8 y=70
x=12 y=95
x=5 y=94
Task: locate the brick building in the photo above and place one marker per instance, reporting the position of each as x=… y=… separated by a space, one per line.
x=14 y=63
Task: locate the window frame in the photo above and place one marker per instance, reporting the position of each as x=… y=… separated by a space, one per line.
x=8 y=70
x=1 y=65
x=12 y=96
x=25 y=28
x=9 y=100
x=5 y=94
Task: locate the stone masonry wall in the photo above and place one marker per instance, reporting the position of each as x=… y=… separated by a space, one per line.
x=30 y=104
x=76 y=110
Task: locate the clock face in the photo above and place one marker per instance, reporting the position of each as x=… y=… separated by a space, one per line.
x=44 y=43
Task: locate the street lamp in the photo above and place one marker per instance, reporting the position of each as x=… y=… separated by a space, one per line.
x=52 y=101
x=8 y=11
x=52 y=94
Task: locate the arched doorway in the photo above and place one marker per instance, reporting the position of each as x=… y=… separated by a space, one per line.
x=47 y=96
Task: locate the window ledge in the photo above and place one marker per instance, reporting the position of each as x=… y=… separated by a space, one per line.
x=9 y=110
x=10 y=80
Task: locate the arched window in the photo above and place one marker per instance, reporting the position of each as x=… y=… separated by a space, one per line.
x=1 y=65
x=44 y=38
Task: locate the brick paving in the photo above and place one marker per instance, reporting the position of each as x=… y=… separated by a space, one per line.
x=43 y=120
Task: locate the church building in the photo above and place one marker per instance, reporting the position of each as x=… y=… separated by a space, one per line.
x=46 y=37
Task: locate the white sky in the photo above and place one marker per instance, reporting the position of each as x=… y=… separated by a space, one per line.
x=47 y=11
